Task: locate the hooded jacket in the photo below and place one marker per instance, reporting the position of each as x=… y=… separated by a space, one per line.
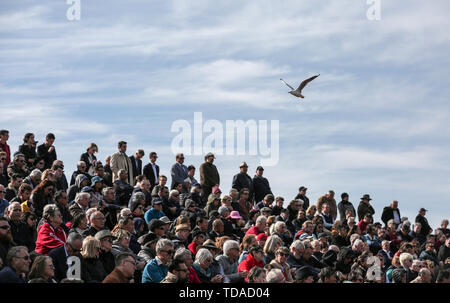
x=76 y=188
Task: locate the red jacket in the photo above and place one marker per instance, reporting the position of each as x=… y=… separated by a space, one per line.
x=193 y=247
x=193 y=278
x=248 y=264
x=49 y=237
x=253 y=231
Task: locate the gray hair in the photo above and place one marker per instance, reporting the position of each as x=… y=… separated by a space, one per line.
x=81 y=196
x=229 y=245
x=275 y=275
x=10 y=207
x=405 y=257
x=334 y=247
x=13 y=252
x=93 y=214
x=202 y=255
x=353 y=238
x=357 y=243
x=35 y=173
x=163 y=243
x=90 y=212
x=121 y=171
x=173 y=192
x=73 y=236
x=279 y=224
x=79 y=163
x=260 y=219
x=180 y=254
x=49 y=211
x=297 y=244
x=271 y=244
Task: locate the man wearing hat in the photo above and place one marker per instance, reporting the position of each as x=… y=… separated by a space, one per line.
x=155 y=212
x=302 y=196
x=209 y=176
x=261 y=185
x=106 y=239
x=181 y=233
x=243 y=180
x=365 y=207
x=148 y=246
x=420 y=218
x=97 y=185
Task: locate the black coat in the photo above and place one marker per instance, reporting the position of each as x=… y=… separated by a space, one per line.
x=59 y=258
x=148 y=172
x=241 y=181
x=42 y=153
x=261 y=187
x=388 y=214
x=92 y=270
x=108 y=261
x=305 y=201
x=137 y=169
x=426 y=228
x=22 y=234
x=85 y=158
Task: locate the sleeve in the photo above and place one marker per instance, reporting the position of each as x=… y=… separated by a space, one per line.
x=49 y=239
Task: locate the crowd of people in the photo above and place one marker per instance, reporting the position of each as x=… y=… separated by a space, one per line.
x=119 y=222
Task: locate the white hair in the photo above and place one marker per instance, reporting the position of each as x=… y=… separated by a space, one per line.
x=36 y=173
x=405 y=257
x=279 y=224
x=334 y=247
x=260 y=219
x=275 y=275
x=79 y=163
x=81 y=196
x=229 y=245
x=173 y=192
x=202 y=255
x=10 y=207
x=357 y=243
x=297 y=244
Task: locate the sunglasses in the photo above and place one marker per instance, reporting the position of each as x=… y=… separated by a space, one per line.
x=26 y=258
x=170 y=252
x=5 y=227
x=283 y=254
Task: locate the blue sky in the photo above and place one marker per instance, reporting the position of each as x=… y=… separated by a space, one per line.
x=375 y=121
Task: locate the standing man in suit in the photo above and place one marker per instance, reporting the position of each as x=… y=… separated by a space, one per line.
x=179 y=171
x=136 y=162
x=60 y=254
x=47 y=151
x=119 y=160
x=151 y=170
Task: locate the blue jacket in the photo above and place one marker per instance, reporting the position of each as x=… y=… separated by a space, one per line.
x=152 y=214
x=8 y=275
x=154 y=272
x=3 y=205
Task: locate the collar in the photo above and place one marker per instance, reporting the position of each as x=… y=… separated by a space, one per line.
x=158 y=261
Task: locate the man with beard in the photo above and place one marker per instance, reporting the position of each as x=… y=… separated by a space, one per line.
x=6 y=238
x=178 y=272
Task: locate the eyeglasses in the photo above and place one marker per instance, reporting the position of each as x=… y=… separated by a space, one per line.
x=73 y=249
x=102 y=218
x=132 y=262
x=170 y=252
x=6 y=227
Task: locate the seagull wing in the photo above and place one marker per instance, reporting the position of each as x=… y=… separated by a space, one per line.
x=305 y=82
x=287 y=84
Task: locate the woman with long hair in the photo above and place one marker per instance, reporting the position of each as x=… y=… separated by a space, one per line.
x=92 y=270
x=42 y=268
x=42 y=195
x=28 y=149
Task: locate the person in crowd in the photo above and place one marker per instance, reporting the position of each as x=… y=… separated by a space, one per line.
x=156 y=270
x=50 y=234
x=364 y=207
x=43 y=268
x=209 y=176
x=243 y=180
x=136 y=162
x=345 y=205
x=261 y=185
x=17 y=264
x=47 y=151
x=121 y=164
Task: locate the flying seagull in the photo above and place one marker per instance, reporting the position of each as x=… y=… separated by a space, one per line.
x=298 y=92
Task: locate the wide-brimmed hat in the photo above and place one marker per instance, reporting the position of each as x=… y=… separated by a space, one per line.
x=366 y=197
x=165 y=219
x=235 y=215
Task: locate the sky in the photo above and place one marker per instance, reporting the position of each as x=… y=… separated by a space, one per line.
x=374 y=122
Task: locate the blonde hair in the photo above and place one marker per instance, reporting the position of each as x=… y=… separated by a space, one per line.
x=271 y=244
x=90 y=244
